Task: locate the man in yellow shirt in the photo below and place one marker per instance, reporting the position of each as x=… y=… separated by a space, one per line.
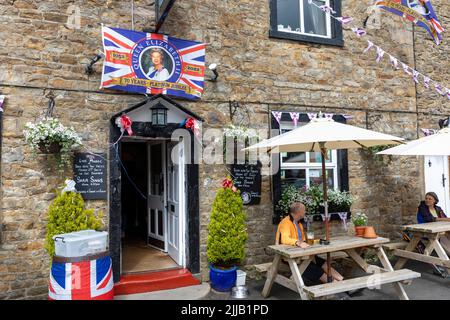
x=291 y=232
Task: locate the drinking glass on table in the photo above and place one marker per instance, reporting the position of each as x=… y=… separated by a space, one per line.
x=310 y=237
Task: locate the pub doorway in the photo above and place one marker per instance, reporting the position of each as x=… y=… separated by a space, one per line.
x=144 y=216
x=167 y=186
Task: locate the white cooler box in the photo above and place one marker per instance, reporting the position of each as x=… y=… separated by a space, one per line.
x=80 y=243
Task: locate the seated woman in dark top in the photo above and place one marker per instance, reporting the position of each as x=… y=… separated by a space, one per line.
x=429 y=211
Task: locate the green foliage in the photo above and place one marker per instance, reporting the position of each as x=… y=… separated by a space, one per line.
x=67 y=213
x=340 y=201
x=360 y=219
x=378 y=158
x=227 y=232
x=312 y=198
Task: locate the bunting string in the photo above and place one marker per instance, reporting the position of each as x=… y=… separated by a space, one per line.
x=295 y=116
x=360 y=32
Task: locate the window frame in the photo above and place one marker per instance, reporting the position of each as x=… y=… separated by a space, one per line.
x=336 y=36
x=307 y=165
x=275 y=185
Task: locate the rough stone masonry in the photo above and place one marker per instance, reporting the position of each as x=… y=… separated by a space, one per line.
x=46 y=45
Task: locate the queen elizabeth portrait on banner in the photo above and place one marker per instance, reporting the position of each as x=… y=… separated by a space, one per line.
x=157 y=71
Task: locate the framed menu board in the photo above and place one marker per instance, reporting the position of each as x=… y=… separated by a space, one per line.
x=89 y=174
x=247 y=178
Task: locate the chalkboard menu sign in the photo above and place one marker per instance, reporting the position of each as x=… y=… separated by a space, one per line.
x=247 y=178
x=89 y=174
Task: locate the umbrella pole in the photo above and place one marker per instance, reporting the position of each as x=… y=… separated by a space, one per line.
x=325 y=201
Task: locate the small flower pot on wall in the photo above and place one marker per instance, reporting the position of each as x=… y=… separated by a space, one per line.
x=359 y=231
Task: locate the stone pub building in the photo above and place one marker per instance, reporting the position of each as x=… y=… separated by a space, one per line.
x=271 y=55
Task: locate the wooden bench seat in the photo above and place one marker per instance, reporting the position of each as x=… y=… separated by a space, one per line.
x=395 y=245
x=263 y=267
x=362 y=282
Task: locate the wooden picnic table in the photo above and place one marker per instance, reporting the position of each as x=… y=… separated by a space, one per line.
x=429 y=234
x=299 y=259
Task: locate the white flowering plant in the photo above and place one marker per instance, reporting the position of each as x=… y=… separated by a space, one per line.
x=360 y=220
x=50 y=133
x=340 y=201
x=240 y=136
x=240 y=132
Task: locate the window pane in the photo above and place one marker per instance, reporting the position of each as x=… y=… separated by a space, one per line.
x=315 y=19
x=294 y=157
x=315 y=177
x=288 y=15
x=295 y=177
x=316 y=157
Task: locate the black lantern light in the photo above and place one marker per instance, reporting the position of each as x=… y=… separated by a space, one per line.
x=159 y=115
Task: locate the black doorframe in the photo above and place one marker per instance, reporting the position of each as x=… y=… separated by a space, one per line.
x=145 y=129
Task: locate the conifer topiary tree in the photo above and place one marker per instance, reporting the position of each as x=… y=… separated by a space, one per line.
x=227 y=231
x=67 y=213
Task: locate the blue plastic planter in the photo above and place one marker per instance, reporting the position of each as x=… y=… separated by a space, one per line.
x=222 y=280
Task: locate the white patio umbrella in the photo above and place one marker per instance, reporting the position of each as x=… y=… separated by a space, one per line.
x=320 y=135
x=435 y=145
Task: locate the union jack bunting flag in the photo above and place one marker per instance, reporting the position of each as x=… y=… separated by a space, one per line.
x=151 y=63
x=86 y=280
x=419 y=12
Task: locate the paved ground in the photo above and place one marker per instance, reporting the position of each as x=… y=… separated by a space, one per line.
x=427 y=287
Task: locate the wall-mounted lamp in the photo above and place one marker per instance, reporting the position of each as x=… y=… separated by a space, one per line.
x=159 y=115
x=89 y=68
x=213 y=68
x=444 y=123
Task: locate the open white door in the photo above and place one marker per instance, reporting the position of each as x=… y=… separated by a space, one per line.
x=176 y=202
x=156 y=195
x=437 y=180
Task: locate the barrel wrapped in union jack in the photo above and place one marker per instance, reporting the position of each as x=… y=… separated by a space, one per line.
x=151 y=63
x=84 y=280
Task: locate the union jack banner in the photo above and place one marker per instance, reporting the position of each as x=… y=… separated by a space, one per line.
x=419 y=12
x=86 y=280
x=151 y=63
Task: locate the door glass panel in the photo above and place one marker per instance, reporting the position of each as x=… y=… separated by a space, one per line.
x=157 y=178
x=315 y=177
x=160 y=223
x=152 y=220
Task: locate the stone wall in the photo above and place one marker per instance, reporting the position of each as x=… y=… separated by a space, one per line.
x=42 y=47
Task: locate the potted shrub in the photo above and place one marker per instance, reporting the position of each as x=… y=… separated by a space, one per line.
x=360 y=222
x=227 y=235
x=67 y=213
x=49 y=136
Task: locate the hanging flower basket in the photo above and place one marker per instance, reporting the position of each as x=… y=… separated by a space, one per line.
x=49 y=136
x=52 y=148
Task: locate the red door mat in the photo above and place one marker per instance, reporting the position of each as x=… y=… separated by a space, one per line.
x=154 y=281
